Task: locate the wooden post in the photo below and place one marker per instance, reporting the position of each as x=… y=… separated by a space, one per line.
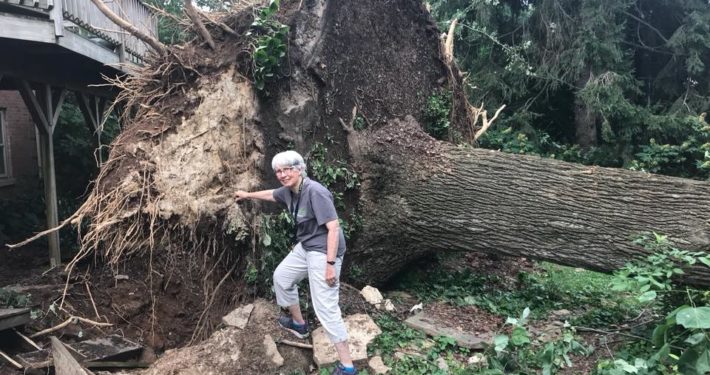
x=44 y=106
x=57 y=15
x=122 y=53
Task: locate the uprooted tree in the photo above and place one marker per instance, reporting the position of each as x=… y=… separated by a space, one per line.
x=356 y=76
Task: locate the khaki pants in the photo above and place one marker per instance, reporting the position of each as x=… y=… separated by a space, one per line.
x=300 y=264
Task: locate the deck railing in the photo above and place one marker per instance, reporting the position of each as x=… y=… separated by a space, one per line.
x=86 y=15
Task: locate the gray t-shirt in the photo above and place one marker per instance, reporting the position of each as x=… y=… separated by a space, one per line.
x=315 y=208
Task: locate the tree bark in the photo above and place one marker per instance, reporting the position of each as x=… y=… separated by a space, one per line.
x=201 y=29
x=585 y=120
x=421 y=196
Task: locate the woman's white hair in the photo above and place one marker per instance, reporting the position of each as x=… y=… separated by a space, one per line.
x=289 y=159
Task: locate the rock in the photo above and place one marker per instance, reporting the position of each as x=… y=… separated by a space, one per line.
x=272 y=352
x=361 y=329
x=389 y=306
x=476 y=359
x=433 y=327
x=239 y=317
x=378 y=366
x=441 y=364
x=372 y=295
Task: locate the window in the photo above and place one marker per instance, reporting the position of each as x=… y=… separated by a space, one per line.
x=5 y=168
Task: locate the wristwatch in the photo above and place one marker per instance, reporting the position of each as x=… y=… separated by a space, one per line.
x=331 y=262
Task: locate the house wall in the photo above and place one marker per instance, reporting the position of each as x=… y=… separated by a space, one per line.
x=20 y=138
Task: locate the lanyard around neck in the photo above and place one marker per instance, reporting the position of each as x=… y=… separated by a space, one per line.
x=294 y=209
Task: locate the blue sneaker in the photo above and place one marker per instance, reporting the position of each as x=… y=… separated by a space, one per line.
x=301 y=331
x=340 y=370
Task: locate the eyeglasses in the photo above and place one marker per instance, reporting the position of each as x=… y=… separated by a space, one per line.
x=283 y=171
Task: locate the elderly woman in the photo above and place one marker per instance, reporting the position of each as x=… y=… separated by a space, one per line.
x=318 y=253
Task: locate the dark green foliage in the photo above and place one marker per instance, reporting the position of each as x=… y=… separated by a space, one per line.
x=274 y=244
x=680 y=340
x=9 y=299
x=640 y=68
x=395 y=335
x=23 y=214
x=437 y=115
x=269 y=49
x=170 y=31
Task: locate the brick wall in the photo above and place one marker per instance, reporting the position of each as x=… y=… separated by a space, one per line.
x=20 y=138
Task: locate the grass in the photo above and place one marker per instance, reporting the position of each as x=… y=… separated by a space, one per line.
x=547 y=288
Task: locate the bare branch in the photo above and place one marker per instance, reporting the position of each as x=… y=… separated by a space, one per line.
x=221 y=25
x=486 y=123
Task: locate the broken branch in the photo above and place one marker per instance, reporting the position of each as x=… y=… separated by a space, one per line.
x=69 y=321
x=296 y=344
x=201 y=29
x=486 y=123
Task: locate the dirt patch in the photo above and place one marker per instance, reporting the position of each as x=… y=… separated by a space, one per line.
x=469 y=319
x=233 y=350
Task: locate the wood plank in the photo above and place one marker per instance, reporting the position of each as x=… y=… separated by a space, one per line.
x=7 y=313
x=64 y=363
x=57 y=16
x=43 y=31
x=108 y=348
x=11 y=318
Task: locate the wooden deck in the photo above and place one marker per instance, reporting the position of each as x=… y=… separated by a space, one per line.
x=51 y=47
x=77 y=26
x=11 y=318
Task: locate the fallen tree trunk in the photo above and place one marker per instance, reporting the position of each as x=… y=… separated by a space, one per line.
x=421 y=196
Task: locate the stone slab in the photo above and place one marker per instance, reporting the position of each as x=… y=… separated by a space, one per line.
x=433 y=327
x=239 y=317
x=361 y=329
x=378 y=366
x=272 y=352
